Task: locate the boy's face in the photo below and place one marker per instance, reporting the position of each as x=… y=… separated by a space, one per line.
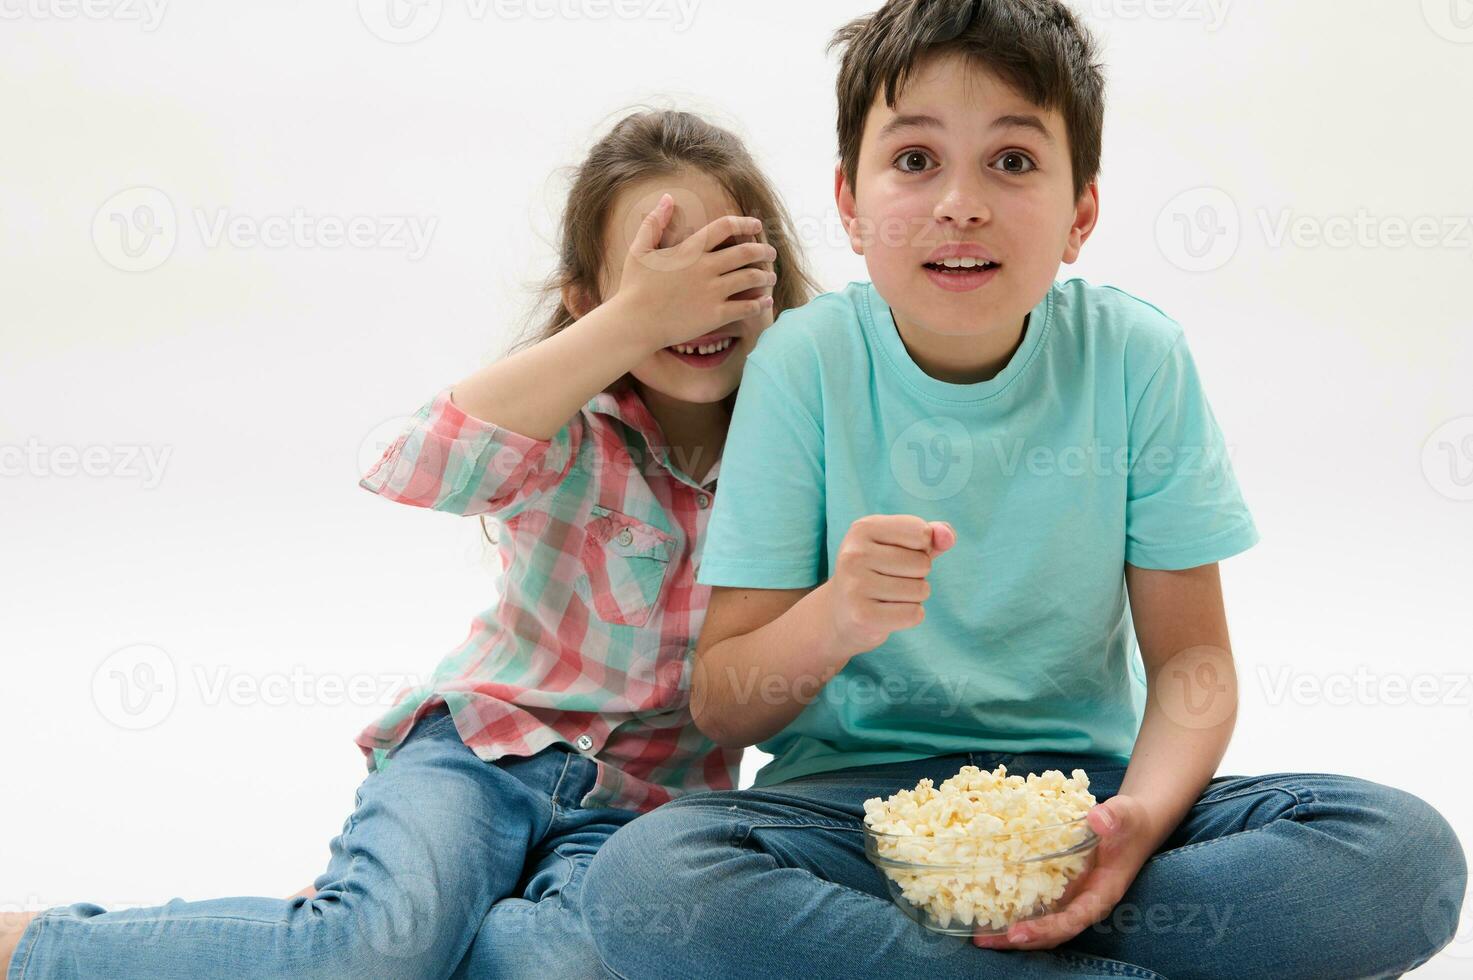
x=969 y=175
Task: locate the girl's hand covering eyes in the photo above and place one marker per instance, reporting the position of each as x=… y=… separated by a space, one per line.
x=719 y=275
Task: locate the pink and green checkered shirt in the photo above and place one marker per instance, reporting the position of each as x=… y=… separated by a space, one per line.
x=590 y=642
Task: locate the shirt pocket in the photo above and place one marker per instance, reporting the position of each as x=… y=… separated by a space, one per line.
x=625 y=563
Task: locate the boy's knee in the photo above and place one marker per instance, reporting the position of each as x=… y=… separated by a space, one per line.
x=1421 y=839
x=1435 y=859
x=1420 y=865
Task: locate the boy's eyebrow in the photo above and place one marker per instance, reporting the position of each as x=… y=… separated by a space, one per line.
x=921 y=121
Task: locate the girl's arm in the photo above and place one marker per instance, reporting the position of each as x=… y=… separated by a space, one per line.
x=661 y=297
x=536 y=391
x=505 y=436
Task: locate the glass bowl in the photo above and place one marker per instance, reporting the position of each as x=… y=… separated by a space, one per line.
x=981 y=884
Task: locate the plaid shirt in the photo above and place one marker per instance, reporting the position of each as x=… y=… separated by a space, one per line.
x=589 y=642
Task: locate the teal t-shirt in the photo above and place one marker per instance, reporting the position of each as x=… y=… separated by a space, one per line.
x=1095 y=446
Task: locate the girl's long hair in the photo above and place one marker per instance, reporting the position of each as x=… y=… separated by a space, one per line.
x=650 y=144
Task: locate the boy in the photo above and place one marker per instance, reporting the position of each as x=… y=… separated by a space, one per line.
x=951 y=500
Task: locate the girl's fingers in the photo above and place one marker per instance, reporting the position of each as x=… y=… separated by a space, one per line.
x=743 y=255
x=652 y=228
x=742 y=309
x=727 y=226
x=734 y=283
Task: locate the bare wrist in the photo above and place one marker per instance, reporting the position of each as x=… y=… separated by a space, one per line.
x=834 y=651
x=634 y=324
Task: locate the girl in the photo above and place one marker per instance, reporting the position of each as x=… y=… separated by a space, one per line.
x=565 y=712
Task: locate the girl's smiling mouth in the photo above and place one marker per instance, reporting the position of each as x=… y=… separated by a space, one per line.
x=704 y=352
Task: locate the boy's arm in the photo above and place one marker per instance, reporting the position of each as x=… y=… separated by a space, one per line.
x=763 y=655
x=1191 y=707
x=1192 y=691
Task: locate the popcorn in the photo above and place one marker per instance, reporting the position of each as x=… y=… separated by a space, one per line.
x=978 y=879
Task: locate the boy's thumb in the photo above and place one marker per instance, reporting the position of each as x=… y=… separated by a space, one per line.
x=943 y=536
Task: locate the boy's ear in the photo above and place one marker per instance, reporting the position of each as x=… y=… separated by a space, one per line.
x=1086 y=215
x=848 y=212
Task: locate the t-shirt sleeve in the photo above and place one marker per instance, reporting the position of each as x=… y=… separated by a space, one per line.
x=767 y=526
x=1183 y=506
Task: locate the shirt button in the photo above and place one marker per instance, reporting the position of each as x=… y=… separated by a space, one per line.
x=626 y=537
x=584 y=743
x=703 y=501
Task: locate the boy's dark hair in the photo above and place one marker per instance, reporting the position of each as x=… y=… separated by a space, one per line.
x=1036 y=46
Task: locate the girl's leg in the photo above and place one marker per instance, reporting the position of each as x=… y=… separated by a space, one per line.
x=436 y=838
x=1292 y=875
x=541 y=932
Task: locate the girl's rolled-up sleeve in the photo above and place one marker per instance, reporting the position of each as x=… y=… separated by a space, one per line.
x=449 y=461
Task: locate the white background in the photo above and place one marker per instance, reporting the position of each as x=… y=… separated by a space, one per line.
x=271 y=374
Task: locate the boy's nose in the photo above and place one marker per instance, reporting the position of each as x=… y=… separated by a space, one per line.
x=962 y=203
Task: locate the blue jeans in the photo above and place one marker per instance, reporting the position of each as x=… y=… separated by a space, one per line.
x=449 y=866
x=1285 y=876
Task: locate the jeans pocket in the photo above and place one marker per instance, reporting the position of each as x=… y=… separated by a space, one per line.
x=625 y=564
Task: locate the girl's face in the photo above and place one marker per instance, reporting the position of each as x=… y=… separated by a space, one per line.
x=699 y=200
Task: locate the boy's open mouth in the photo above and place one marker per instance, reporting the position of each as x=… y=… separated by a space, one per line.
x=959 y=266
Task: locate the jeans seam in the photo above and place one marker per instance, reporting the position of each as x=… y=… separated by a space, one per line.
x=1114 y=968
x=557 y=787
x=742 y=830
x=1293 y=812
x=605 y=964
x=827 y=881
x=574 y=881
x=40 y=925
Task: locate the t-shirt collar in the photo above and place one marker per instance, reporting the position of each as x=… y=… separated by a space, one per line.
x=879 y=320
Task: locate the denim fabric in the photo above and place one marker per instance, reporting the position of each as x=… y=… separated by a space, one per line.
x=448 y=866
x=1289 y=875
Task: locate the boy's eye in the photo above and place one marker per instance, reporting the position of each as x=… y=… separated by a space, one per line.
x=1013 y=157
x=911 y=156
